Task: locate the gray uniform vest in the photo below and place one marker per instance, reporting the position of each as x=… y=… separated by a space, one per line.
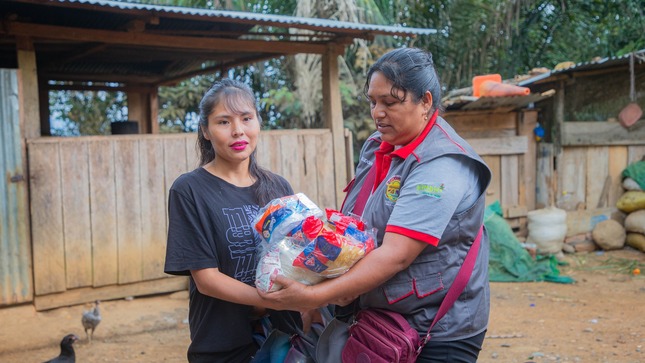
x=418 y=291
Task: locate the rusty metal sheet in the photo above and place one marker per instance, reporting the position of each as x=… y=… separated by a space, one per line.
x=15 y=247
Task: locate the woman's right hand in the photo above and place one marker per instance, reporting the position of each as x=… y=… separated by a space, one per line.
x=292 y=296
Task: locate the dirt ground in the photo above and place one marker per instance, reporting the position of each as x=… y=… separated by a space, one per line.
x=597 y=319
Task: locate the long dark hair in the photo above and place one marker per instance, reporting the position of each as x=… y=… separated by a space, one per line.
x=410 y=70
x=236 y=95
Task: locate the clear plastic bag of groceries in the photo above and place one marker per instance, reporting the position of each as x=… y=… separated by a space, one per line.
x=316 y=249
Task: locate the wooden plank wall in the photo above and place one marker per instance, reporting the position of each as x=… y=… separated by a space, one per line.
x=583 y=170
x=99 y=204
x=506 y=143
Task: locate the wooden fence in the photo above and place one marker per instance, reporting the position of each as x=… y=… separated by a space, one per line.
x=506 y=143
x=98 y=206
x=591 y=162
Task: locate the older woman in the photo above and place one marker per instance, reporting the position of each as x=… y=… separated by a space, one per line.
x=426 y=198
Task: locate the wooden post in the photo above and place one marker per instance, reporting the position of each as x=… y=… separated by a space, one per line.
x=556 y=137
x=333 y=117
x=153 y=111
x=28 y=86
x=527 y=120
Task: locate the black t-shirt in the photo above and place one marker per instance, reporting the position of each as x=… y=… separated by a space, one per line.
x=210 y=227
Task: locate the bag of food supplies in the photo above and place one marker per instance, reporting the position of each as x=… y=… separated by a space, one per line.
x=306 y=246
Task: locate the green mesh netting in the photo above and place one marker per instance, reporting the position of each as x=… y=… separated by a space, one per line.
x=509 y=261
x=636 y=171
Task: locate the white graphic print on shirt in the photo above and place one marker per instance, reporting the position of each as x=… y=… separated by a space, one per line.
x=241 y=242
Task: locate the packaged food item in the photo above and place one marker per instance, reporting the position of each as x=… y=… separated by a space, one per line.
x=338 y=245
x=307 y=245
x=281 y=215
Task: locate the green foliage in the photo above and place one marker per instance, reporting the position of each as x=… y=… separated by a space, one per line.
x=179 y=105
x=80 y=113
x=474 y=37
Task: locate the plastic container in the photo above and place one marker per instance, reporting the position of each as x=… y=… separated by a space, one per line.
x=547 y=229
x=478 y=80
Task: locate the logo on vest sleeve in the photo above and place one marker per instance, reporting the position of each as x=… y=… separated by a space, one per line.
x=392 y=188
x=430 y=190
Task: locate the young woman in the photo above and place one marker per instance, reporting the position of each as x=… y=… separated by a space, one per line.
x=210 y=237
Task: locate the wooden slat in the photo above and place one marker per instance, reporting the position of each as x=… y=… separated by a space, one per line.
x=83 y=295
x=527 y=168
x=262 y=151
x=192 y=153
x=349 y=154
x=128 y=210
x=597 y=172
x=103 y=213
x=324 y=174
x=635 y=153
x=572 y=172
x=482 y=124
x=602 y=133
x=544 y=183
x=493 y=193
x=617 y=163
x=290 y=160
x=175 y=162
x=270 y=143
x=76 y=214
x=47 y=219
x=153 y=208
x=500 y=145
x=509 y=180
x=308 y=176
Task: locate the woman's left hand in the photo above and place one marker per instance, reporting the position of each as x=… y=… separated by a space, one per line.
x=344 y=301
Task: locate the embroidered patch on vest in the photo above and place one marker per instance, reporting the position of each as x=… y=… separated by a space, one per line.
x=392 y=188
x=430 y=190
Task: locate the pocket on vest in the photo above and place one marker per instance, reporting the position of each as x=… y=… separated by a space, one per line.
x=421 y=287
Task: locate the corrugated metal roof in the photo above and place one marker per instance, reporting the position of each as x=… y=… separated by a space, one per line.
x=601 y=63
x=267 y=19
x=113 y=41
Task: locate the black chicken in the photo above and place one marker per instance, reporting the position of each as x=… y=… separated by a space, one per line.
x=91 y=320
x=66 y=350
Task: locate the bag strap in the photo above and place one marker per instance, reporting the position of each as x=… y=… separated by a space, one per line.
x=457 y=286
x=364 y=193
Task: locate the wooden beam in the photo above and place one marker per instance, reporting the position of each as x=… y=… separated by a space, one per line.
x=153 y=40
x=588 y=133
x=333 y=117
x=94 y=48
x=220 y=67
x=500 y=145
x=99 y=87
x=86 y=294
